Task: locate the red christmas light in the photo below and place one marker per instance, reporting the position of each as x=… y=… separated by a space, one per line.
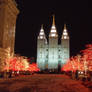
x=20 y=64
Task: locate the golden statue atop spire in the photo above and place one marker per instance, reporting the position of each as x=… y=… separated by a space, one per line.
x=42 y=26
x=53 y=20
x=64 y=26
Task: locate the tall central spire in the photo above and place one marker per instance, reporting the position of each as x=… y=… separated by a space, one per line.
x=53 y=31
x=53 y=20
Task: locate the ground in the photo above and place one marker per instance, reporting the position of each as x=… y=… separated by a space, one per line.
x=42 y=83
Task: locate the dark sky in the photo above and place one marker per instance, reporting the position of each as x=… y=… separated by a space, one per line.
x=33 y=13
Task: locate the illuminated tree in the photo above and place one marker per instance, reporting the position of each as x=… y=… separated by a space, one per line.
x=20 y=64
x=87 y=56
x=16 y=64
x=73 y=64
x=33 y=67
x=81 y=62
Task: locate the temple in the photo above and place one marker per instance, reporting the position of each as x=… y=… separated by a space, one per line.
x=50 y=54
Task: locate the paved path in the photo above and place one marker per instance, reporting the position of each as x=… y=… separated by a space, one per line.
x=41 y=83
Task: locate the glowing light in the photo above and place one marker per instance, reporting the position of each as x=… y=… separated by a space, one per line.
x=81 y=72
x=65 y=33
x=53 y=27
x=17 y=72
x=53 y=35
x=41 y=37
x=65 y=37
x=41 y=33
x=42 y=30
x=65 y=30
x=53 y=30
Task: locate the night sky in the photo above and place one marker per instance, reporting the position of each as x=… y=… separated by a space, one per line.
x=33 y=13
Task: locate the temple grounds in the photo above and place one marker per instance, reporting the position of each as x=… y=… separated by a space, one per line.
x=42 y=83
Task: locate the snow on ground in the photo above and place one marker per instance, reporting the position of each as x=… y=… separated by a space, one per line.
x=41 y=83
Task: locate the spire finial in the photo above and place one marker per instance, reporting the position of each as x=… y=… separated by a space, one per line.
x=42 y=26
x=64 y=26
x=53 y=20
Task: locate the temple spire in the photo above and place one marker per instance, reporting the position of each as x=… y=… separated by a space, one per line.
x=41 y=34
x=53 y=20
x=65 y=33
x=53 y=31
